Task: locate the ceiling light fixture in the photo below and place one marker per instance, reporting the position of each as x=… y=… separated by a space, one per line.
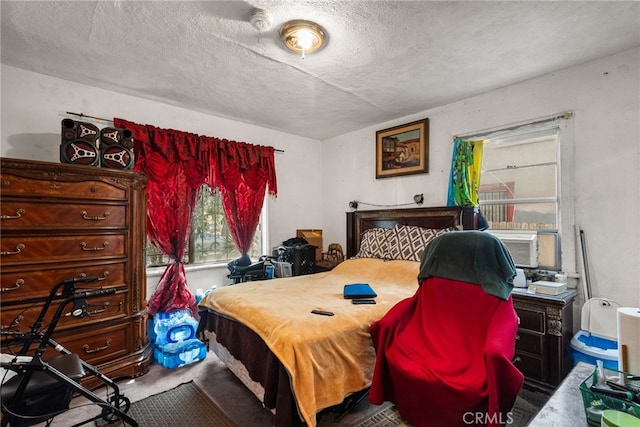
x=302 y=36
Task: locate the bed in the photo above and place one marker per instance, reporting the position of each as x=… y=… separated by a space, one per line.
x=299 y=363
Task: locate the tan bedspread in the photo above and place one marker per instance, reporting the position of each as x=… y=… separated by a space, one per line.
x=327 y=357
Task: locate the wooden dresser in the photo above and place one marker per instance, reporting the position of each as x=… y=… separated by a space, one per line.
x=61 y=221
x=543 y=343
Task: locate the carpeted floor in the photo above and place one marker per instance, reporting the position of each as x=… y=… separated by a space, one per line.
x=174 y=397
x=528 y=404
x=526 y=407
x=173 y=407
x=386 y=417
x=169 y=409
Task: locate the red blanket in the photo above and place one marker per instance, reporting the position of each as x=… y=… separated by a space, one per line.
x=444 y=356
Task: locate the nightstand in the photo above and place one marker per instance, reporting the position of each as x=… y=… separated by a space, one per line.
x=543 y=352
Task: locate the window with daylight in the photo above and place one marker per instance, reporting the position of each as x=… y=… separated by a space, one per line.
x=519 y=188
x=209 y=240
x=519 y=183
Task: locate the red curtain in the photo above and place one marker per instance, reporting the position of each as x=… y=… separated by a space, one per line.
x=243 y=173
x=177 y=164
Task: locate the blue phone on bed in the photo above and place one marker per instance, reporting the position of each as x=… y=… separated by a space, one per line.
x=363 y=301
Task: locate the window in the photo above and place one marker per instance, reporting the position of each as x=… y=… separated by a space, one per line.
x=210 y=241
x=519 y=183
x=519 y=188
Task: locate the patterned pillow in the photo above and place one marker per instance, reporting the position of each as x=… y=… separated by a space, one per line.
x=374 y=243
x=407 y=241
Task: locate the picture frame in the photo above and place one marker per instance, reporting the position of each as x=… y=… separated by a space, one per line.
x=403 y=150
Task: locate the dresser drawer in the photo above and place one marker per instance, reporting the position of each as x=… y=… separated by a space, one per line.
x=52 y=184
x=36 y=281
x=34 y=214
x=530 y=342
x=36 y=249
x=98 y=345
x=531 y=320
x=21 y=317
x=531 y=366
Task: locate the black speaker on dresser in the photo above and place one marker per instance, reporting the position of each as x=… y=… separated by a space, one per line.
x=116 y=148
x=115 y=136
x=79 y=143
x=116 y=157
x=84 y=144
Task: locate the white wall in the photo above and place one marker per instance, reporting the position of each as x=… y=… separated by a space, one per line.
x=604 y=152
x=33 y=105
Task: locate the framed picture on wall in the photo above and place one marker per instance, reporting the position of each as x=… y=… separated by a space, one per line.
x=403 y=150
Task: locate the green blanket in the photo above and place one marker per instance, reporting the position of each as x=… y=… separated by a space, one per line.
x=470 y=256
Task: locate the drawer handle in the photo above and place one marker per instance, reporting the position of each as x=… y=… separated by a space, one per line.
x=54 y=186
x=19 y=249
x=104 y=308
x=18 y=214
x=517 y=359
x=85 y=347
x=94 y=218
x=14 y=323
x=517 y=337
x=19 y=283
x=84 y=247
x=104 y=275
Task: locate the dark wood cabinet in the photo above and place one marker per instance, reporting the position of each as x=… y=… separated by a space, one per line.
x=543 y=343
x=61 y=221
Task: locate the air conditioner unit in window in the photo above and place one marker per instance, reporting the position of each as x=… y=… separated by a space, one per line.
x=522 y=245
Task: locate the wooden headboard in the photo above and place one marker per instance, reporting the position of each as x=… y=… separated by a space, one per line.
x=432 y=217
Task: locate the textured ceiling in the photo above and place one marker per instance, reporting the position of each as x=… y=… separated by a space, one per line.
x=383 y=59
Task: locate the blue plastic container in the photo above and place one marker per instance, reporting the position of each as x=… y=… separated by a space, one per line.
x=173 y=337
x=173 y=327
x=589 y=348
x=175 y=355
